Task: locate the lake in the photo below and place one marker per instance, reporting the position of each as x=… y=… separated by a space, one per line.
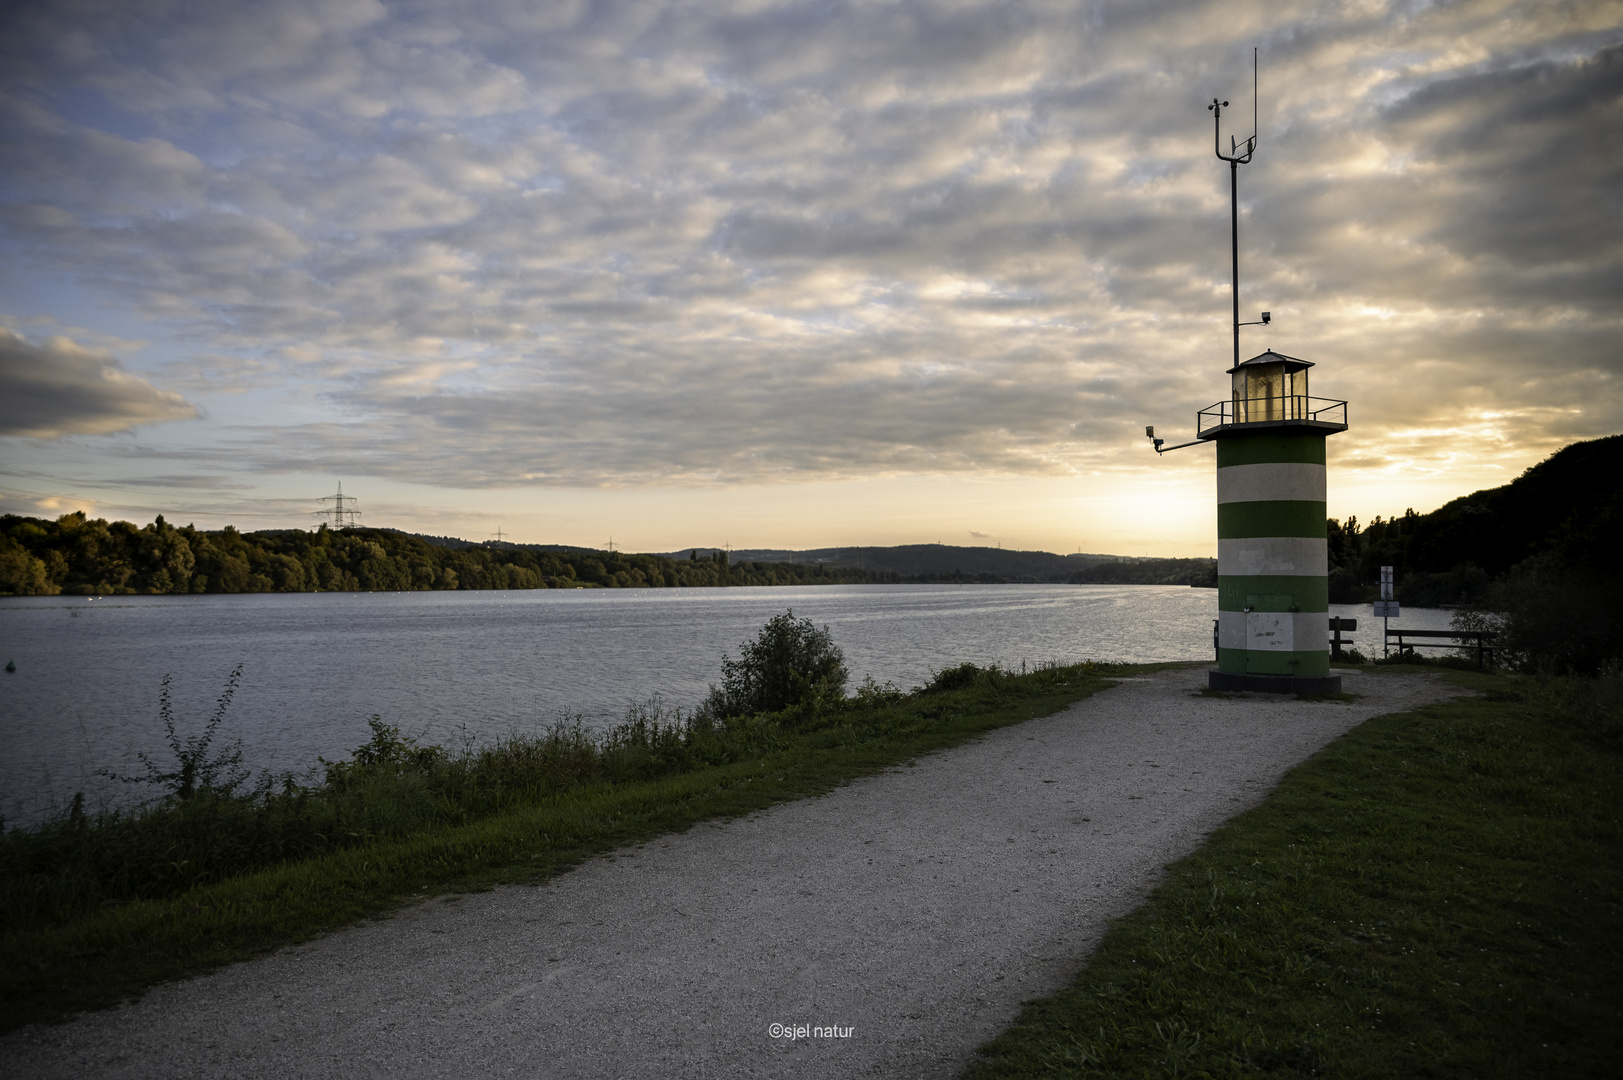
x=445 y=666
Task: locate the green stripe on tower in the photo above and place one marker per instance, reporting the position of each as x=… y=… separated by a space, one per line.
x=1253 y=662
x=1256 y=519
x=1234 y=592
x=1250 y=449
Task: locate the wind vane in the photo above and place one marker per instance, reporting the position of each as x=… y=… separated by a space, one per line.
x=1236 y=157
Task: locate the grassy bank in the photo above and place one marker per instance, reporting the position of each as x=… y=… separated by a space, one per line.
x=98 y=907
x=1437 y=894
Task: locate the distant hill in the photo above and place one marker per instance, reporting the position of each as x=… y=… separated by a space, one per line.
x=930 y=561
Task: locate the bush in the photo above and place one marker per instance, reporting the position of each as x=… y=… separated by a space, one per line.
x=1551 y=618
x=964 y=676
x=195 y=772
x=388 y=753
x=789 y=663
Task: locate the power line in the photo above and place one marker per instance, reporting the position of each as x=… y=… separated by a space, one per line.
x=338 y=514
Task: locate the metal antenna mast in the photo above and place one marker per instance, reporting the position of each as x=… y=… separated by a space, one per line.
x=1235 y=157
x=341 y=516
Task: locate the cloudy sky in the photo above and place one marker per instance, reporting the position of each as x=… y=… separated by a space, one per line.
x=789 y=274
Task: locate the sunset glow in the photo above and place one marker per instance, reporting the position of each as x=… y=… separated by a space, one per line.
x=789 y=275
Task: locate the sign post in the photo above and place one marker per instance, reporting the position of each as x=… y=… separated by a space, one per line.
x=1385 y=607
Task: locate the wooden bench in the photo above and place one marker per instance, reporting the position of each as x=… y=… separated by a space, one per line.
x=1337 y=625
x=1444 y=639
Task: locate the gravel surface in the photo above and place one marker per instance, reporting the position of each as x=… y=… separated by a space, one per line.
x=901 y=919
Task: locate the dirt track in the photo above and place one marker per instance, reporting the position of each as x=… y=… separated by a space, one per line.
x=917 y=909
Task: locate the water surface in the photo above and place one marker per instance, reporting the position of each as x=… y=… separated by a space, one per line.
x=451 y=665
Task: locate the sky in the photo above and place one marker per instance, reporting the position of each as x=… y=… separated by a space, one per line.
x=790 y=275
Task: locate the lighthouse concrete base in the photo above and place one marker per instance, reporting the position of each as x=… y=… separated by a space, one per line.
x=1303 y=686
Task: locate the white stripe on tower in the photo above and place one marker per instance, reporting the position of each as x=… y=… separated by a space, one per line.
x=1293 y=555
x=1272 y=481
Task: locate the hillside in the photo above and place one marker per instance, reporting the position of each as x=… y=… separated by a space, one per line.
x=931 y=561
x=1567 y=507
x=918 y=563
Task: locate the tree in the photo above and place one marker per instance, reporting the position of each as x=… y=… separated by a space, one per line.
x=21 y=574
x=788 y=662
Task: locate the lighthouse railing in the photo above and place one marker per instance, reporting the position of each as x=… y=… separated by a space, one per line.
x=1272 y=409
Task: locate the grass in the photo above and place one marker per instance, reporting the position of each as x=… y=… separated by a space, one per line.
x=97 y=908
x=1437 y=894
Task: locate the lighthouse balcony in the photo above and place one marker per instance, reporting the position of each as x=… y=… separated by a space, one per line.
x=1278 y=411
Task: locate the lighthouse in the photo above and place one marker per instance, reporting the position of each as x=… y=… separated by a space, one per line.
x=1273 y=577
x=1273 y=581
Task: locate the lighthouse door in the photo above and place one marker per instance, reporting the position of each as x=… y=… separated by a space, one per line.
x=1270 y=630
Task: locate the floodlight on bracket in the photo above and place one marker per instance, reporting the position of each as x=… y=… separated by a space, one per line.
x=1160 y=448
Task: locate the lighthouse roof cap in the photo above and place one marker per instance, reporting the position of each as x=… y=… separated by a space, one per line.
x=1270 y=357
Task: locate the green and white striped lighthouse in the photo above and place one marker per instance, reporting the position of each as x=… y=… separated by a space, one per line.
x=1273 y=588
x=1273 y=575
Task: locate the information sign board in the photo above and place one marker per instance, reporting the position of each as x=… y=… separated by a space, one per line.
x=1386 y=609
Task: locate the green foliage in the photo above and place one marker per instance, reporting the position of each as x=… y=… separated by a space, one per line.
x=80 y=556
x=194 y=772
x=964 y=676
x=97 y=907
x=1199 y=573
x=1552 y=618
x=1436 y=895
x=1357 y=552
x=1566 y=506
x=1409 y=656
x=790 y=662
x=22 y=574
x=388 y=753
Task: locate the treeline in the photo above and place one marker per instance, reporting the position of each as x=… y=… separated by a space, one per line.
x=1199 y=573
x=83 y=556
x=1535 y=561
x=1557 y=514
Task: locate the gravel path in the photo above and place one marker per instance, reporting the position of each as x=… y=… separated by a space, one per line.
x=911 y=913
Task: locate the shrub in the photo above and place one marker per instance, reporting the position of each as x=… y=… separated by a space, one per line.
x=1551 y=618
x=388 y=753
x=964 y=676
x=790 y=662
x=195 y=772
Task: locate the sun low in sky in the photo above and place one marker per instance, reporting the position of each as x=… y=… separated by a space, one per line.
x=789 y=274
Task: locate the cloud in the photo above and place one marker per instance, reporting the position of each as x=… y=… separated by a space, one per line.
x=491 y=244
x=59 y=388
